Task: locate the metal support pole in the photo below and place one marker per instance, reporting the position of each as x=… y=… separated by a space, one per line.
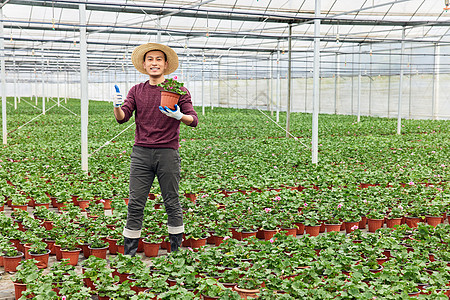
x=370 y=81
x=211 y=83
x=316 y=90
x=57 y=81
x=256 y=80
x=125 y=69
x=359 y=86
x=218 y=83
x=67 y=87
x=35 y=85
x=43 y=83
x=336 y=85
x=15 y=80
x=3 y=71
x=47 y=88
x=389 y=84
x=435 y=101
x=84 y=89
x=399 y=117
x=288 y=113
x=203 y=85
x=270 y=98
x=278 y=82
x=306 y=82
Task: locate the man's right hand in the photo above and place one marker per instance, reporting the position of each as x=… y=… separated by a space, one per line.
x=117 y=100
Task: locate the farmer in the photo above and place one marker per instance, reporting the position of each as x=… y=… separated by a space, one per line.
x=155 y=151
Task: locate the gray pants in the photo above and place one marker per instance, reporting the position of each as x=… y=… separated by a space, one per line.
x=145 y=164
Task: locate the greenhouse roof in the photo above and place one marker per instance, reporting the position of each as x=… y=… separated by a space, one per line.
x=211 y=29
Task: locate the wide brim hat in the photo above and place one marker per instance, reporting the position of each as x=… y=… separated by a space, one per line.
x=137 y=57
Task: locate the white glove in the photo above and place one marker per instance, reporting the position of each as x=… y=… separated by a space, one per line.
x=117 y=100
x=176 y=114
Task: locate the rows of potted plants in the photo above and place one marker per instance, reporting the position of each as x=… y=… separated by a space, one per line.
x=366 y=172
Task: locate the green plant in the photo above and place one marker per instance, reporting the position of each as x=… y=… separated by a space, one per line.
x=27 y=271
x=105 y=287
x=10 y=251
x=176 y=292
x=96 y=242
x=38 y=247
x=249 y=283
x=396 y=212
x=212 y=288
x=172 y=85
x=153 y=238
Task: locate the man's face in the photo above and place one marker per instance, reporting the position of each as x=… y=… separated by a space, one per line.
x=155 y=63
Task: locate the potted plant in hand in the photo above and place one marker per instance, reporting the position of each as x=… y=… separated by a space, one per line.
x=171 y=92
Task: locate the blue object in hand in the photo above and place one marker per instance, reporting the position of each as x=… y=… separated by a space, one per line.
x=117 y=88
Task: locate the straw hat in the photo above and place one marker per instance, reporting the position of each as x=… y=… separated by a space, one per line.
x=137 y=57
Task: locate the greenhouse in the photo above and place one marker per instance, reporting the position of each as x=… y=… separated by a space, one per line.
x=306 y=155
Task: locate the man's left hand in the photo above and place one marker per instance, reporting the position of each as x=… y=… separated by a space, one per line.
x=176 y=114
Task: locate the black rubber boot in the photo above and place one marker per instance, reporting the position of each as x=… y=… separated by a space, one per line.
x=130 y=246
x=175 y=241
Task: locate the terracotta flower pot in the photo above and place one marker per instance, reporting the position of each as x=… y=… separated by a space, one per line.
x=41 y=258
x=247 y=234
x=112 y=245
x=98 y=252
x=22 y=207
x=350 y=225
x=290 y=231
x=151 y=249
x=57 y=249
x=434 y=221
x=218 y=240
x=140 y=245
x=198 y=243
x=169 y=99
x=11 y=262
x=375 y=224
x=48 y=225
x=26 y=250
x=107 y=204
x=83 y=204
x=209 y=298
x=362 y=222
x=47 y=205
x=333 y=227
x=245 y=294
x=121 y=249
x=71 y=255
x=237 y=235
x=19 y=288
x=269 y=233
x=300 y=228
x=312 y=230
x=122 y=276
x=412 y=221
x=390 y=223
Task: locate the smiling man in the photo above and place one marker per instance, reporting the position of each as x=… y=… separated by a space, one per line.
x=155 y=151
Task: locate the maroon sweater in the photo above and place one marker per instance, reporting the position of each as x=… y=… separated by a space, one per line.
x=153 y=128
